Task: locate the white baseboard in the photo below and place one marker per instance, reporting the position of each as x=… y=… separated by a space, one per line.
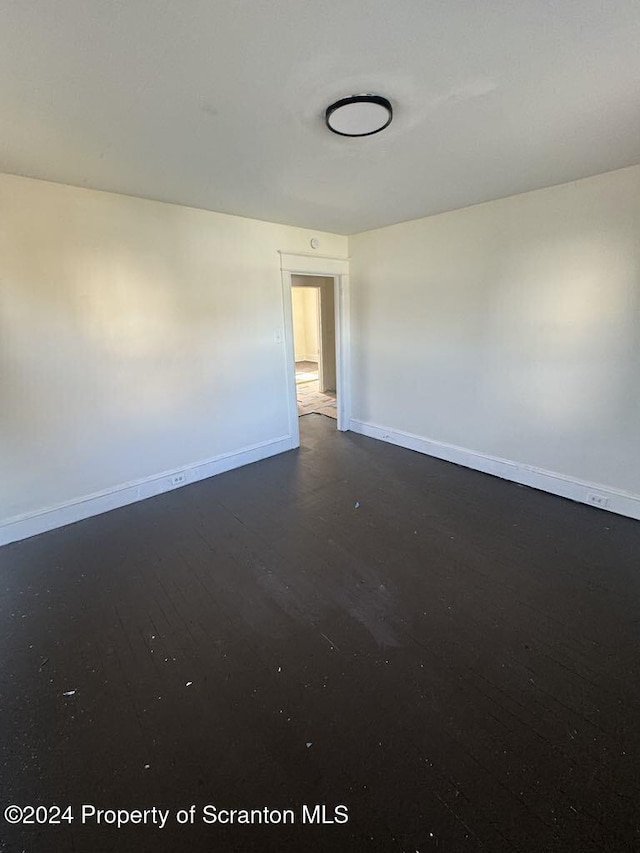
x=30 y=524
x=593 y=494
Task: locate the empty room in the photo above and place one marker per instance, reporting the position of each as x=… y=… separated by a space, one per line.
x=320 y=427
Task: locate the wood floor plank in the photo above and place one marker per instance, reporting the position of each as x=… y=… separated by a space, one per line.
x=453 y=657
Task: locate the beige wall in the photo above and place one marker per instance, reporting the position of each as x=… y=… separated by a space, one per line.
x=305 y=323
x=135 y=338
x=305 y=291
x=328 y=331
x=511 y=328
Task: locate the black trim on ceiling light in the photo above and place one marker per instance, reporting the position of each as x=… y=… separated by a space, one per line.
x=359 y=99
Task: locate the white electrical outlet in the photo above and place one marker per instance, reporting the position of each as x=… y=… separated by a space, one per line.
x=178 y=479
x=597 y=500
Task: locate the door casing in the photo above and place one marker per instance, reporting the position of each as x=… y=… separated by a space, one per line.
x=338 y=269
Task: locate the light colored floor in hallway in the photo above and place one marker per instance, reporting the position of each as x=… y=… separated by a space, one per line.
x=310 y=399
x=306 y=371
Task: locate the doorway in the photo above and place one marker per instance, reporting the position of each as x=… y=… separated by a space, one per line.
x=314 y=336
x=305 y=266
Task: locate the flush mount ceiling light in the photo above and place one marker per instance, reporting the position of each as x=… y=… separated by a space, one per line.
x=359 y=115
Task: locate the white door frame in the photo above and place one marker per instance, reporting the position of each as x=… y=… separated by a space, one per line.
x=338 y=269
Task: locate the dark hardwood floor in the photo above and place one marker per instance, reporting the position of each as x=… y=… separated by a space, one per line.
x=452 y=657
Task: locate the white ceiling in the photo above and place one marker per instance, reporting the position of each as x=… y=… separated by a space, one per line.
x=219 y=103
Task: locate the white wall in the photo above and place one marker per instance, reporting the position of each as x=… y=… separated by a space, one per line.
x=133 y=333
x=511 y=329
x=135 y=338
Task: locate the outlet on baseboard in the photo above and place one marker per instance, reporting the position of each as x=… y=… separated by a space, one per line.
x=179 y=479
x=597 y=500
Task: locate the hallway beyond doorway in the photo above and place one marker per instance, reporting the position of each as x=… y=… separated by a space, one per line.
x=314 y=338
x=310 y=399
